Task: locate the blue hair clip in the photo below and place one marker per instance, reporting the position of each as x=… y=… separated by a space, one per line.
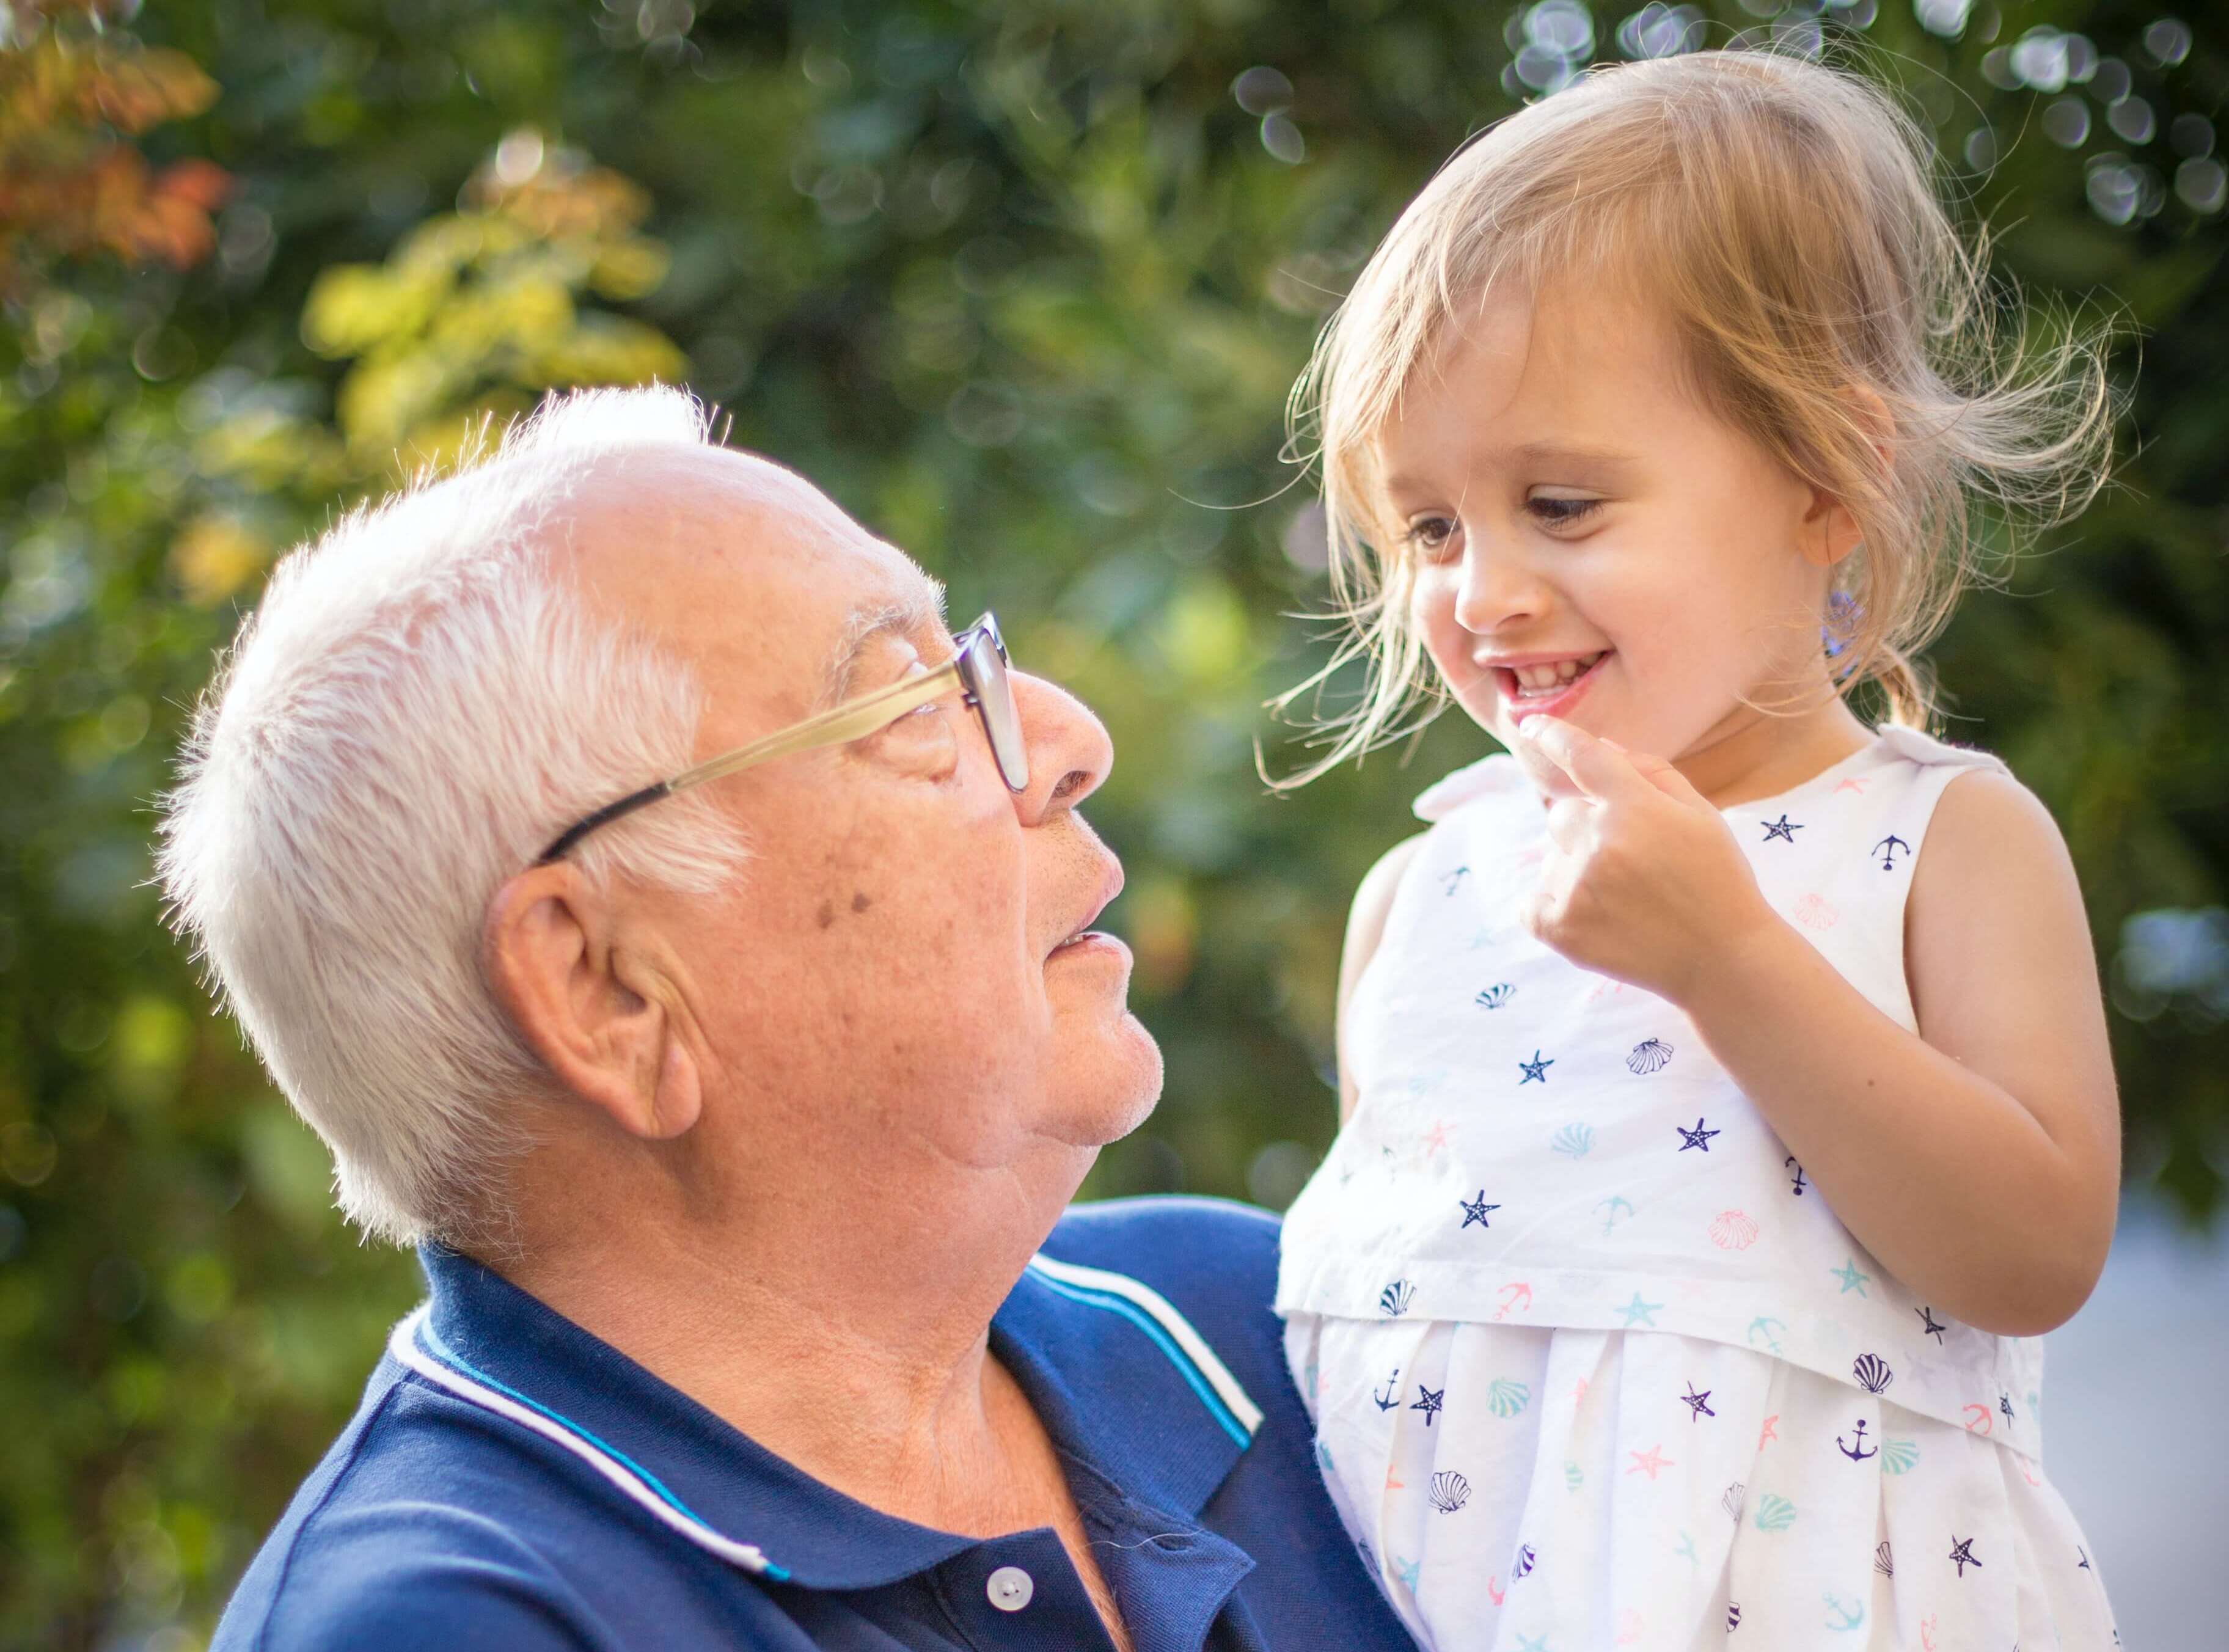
x=1843 y=614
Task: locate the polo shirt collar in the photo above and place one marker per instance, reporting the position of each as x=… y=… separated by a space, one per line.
x=1098 y=1372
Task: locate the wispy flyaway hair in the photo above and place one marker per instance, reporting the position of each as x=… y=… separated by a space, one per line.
x=1783 y=216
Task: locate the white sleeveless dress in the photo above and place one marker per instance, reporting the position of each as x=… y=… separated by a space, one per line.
x=1592 y=1363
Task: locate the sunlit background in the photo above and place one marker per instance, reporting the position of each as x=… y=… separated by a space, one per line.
x=1024 y=285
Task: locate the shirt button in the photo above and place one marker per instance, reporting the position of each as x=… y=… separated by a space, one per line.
x=1010 y=1589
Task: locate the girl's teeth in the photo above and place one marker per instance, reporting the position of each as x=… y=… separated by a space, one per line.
x=1537 y=679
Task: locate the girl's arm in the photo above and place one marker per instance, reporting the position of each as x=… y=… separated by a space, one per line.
x=1981 y=1161
x=1365 y=928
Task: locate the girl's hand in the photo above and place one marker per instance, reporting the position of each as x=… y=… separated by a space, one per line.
x=1644 y=881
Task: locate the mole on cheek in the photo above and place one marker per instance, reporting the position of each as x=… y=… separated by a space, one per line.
x=827 y=912
x=859 y=901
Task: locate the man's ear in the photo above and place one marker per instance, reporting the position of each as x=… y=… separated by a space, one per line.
x=1830 y=528
x=597 y=1013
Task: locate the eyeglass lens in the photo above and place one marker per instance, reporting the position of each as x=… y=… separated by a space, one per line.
x=994 y=699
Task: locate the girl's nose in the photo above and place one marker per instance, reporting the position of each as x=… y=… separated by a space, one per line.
x=1495 y=590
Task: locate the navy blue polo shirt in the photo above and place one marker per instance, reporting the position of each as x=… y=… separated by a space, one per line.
x=511 y=1482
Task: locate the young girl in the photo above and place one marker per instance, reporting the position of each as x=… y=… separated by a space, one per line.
x=1728 y=1103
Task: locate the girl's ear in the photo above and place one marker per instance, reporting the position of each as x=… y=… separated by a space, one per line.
x=1831 y=528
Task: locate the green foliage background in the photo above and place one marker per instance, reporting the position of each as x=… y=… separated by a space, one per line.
x=1024 y=285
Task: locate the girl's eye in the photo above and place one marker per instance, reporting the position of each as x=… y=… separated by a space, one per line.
x=1431 y=535
x=1561 y=513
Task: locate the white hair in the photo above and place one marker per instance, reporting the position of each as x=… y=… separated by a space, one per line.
x=417 y=707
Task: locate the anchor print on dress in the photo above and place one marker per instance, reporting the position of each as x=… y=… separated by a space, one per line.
x=1844 y=1616
x=1477 y=1209
x=1649 y=1056
x=1699 y=1405
x=1516 y=1297
x=1390 y=1396
x=1961 y=1552
x=1429 y=1401
x=1783 y=828
x=1613 y=1210
x=1450 y=882
x=1886 y=848
x=1536 y=1071
x=1856 y=1453
x=1495 y=996
x=1788 y=1163
x=1761 y=1332
x=1698 y=1137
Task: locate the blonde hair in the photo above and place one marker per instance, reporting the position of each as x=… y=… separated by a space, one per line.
x=1784 y=218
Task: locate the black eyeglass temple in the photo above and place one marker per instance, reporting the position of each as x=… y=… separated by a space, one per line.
x=603 y=816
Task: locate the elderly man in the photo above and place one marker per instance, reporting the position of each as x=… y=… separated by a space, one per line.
x=684 y=939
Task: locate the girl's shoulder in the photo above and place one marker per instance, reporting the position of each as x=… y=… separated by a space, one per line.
x=1499 y=773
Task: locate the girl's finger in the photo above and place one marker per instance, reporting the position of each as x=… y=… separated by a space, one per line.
x=1666 y=778
x=1595 y=767
x=1567 y=823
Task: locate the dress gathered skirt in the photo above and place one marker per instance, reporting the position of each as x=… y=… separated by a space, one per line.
x=1537 y=1489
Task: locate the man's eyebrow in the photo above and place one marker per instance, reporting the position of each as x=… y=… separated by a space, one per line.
x=923 y=611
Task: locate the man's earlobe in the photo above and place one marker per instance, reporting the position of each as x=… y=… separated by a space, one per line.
x=586 y=1007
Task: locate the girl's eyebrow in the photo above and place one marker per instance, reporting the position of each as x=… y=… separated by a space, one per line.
x=1528 y=456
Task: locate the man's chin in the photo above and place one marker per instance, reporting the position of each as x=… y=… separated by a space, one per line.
x=1115 y=1088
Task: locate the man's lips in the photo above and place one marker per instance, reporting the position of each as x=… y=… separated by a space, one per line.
x=1110 y=885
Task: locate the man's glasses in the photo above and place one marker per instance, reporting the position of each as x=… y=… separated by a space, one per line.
x=978 y=663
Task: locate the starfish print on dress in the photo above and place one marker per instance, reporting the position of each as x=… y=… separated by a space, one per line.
x=1437 y=1137
x=1475 y=1210
x=1852 y=1279
x=1769 y=1432
x=1650 y=1461
x=1527 y=1644
x=1429 y=1401
x=1536 y=1069
x=1638 y=1312
x=1962 y=1551
x=1406 y=1570
x=1452 y=881
x=1698 y=1137
x=1783 y=828
x=2083 y=1564
x=2005 y=1405
x=1697 y=1404
x=1855 y=783
x=1929 y=1326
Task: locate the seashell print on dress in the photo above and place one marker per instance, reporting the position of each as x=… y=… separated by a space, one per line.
x=1449 y=1491
x=1872 y=1372
x=1649 y=1056
x=1573 y=1140
x=1774 y=1513
x=1814 y=912
x=1393 y=1301
x=1732 y=1230
x=1507 y=1398
x=1495 y=996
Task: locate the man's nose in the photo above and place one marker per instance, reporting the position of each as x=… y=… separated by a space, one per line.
x=1495 y=588
x=1069 y=751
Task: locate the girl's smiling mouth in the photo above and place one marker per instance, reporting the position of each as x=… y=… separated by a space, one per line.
x=1535 y=684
